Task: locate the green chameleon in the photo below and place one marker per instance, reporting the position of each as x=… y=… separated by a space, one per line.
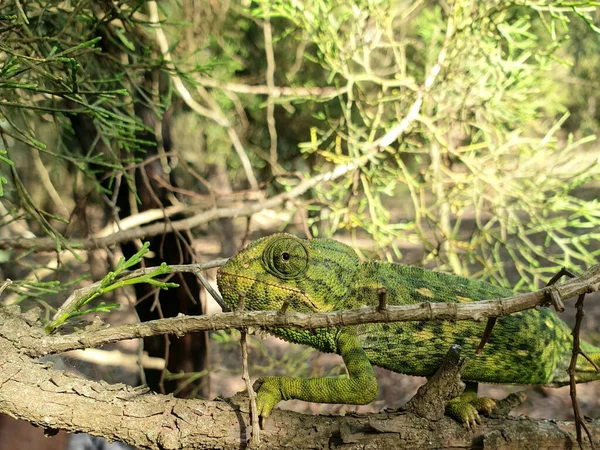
x=318 y=275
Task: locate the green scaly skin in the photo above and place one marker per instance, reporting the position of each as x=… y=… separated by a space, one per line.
x=318 y=275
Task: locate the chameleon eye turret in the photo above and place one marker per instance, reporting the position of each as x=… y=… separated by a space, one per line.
x=286 y=258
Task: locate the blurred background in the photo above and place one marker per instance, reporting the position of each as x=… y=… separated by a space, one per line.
x=455 y=135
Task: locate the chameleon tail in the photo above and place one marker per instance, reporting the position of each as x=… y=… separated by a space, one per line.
x=584 y=370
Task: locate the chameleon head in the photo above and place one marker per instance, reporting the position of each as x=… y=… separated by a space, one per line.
x=281 y=269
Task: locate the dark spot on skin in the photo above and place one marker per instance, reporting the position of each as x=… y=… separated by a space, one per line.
x=420 y=326
x=523 y=346
x=385 y=327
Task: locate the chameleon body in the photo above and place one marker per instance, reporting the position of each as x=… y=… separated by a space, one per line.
x=318 y=275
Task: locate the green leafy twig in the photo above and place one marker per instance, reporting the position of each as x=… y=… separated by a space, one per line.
x=80 y=298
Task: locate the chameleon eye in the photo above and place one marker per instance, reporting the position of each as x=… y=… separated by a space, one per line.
x=286 y=258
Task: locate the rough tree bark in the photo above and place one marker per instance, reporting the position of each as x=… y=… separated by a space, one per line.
x=55 y=400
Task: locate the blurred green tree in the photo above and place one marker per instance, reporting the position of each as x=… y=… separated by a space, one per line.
x=458 y=135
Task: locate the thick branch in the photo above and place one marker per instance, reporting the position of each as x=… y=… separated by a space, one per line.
x=430 y=400
x=57 y=400
x=37 y=344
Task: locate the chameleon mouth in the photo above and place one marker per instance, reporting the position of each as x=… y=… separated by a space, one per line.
x=292 y=292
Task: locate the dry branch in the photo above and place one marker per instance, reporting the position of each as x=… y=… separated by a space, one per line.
x=275 y=91
x=56 y=400
x=37 y=343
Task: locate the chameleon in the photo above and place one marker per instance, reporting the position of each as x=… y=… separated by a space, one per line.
x=283 y=272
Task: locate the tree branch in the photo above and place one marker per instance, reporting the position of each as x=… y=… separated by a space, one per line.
x=57 y=400
x=215 y=114
x=275 y=91
x=37 y=343
x=47 y=244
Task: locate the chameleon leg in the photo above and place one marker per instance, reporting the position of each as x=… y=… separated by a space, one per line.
x=359 y=389
x=466 y=407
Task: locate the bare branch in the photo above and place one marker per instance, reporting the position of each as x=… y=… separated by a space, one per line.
x=46 y=244
x=117 y=358
x=40 y=344
x=255 y=438
x=275 y=91
x=579 y=421
x=59 y=400
x=270 y=76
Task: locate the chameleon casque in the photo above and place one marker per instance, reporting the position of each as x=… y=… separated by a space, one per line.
x=318 y=275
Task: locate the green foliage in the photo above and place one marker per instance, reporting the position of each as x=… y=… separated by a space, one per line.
x=3 y=179
x=495 y=177
x=50 y=70
x=109 y=283
x=487 y=176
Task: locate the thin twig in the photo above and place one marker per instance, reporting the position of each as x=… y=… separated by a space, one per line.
x=163 y=44
x=47 y=244
x=239 y=148
x=214 y=114
x=559 y=306
x=270 y=76
x=41 y=345
x=414 y=110
x=44 y=178
x=248 y=210
x=579 y=421
x=275 y=91
x=486 y=334
x=215 y=295
x=561 y=273
x=17 y=226
x=6 y=283
x=129 y=222
x=594 y=365
x=255 y=438
x=382 y=296
x=80 y=293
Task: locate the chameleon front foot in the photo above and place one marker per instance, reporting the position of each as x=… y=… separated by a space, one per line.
x=268 y=395
x=466 y=408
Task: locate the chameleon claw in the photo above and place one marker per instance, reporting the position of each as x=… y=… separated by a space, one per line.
x=472 y=418
x=464 y=412
x=268 y=395
x=485 y=405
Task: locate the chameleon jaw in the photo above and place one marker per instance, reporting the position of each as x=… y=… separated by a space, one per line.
x=243 y=284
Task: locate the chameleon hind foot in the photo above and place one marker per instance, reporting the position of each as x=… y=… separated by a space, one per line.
x=466 y=408
x=485 y=405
